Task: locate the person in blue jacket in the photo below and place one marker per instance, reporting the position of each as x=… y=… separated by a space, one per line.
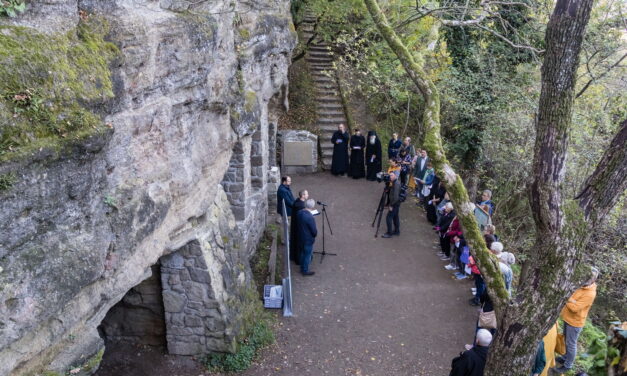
x=307 y=233
x=284 y=193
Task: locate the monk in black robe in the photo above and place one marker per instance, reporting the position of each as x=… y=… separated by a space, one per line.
x=298 y=205
x=357 y=145
x=339 y=164
x=373 y=155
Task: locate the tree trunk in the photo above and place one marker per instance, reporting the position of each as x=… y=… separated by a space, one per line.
x=561 y=231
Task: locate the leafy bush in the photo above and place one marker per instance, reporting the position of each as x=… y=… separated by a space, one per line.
x=259 y=336
x=11 y=8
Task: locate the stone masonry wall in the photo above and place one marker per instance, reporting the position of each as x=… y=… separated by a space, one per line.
x=197 y=87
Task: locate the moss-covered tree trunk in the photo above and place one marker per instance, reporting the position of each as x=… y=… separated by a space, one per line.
x=562 y=226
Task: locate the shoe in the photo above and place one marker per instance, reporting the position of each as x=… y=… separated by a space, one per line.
x=473 y=289
x=396 y=233
x=560 y=359
x=460 y=276
x=444 y=258
x=473 y=302
x=307 y=274
x=561 y=370
x=386 y=235
x=441 y=254
x=450 y=267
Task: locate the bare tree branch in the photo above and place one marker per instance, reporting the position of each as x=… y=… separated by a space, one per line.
x=609 y=69
x=503 y=38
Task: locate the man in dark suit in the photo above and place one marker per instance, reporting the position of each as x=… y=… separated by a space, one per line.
x=307 y=232
x=299 y=204
x=284 y=193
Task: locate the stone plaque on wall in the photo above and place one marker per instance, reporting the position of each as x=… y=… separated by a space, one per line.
x=297 y=153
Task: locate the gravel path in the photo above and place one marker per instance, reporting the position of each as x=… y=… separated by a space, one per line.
x=382 y=306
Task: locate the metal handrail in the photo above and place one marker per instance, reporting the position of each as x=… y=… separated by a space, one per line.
x=287 y=280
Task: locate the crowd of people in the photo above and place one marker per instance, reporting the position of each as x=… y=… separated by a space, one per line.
x=411 y=169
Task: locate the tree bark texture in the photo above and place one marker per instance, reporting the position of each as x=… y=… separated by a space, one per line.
x=433 y=144
x=561 y=228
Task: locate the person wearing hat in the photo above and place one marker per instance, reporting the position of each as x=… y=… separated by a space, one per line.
x=574 y=315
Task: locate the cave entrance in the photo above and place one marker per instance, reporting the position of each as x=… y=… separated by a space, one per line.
x=138 y=318
x=174 y=311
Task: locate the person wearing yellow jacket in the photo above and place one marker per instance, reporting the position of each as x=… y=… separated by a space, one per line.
x=574 y=315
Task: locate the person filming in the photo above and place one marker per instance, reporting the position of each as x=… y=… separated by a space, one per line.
x=394 y=204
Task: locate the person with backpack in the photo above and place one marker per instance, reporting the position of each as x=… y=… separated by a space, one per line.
x=395 y=197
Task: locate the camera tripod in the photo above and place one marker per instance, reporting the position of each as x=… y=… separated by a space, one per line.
x=380 y=209
x=325 y=217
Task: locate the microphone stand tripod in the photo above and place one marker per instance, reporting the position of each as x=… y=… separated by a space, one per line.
x=325 y=217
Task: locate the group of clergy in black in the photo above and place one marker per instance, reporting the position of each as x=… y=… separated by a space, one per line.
x=303 y=229
x=357 y=165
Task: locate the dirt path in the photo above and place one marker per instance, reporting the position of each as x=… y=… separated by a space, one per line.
x=382 y=306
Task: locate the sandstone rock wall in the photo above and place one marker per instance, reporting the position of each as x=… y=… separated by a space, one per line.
x=183 y=173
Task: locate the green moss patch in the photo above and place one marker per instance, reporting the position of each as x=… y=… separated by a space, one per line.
x=49 y=83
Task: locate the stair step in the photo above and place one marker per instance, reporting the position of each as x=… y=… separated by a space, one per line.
x=328 y=54
x=330 y=128
x=318 y=47
x=315 y=59
x=330 y=106
x=331 y=120
x=329 y=99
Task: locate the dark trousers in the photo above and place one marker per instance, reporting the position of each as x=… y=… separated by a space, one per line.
x=479 y=285
x=393 y=219
x=445 y=244
x=305 y=257
x=403 y=177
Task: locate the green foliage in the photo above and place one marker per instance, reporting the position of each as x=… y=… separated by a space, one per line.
x=260 y=336
x=7 y=181
x=259 y=262
x=593 y=342
x=12 y=8
x=49 y=83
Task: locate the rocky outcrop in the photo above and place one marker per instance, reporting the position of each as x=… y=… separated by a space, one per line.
x=180 y=175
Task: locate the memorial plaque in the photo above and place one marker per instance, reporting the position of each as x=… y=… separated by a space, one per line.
x=297 y=153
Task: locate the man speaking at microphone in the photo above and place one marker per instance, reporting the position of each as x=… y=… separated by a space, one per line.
x=307 y=232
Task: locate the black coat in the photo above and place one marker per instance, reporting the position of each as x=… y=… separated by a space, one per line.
x=284 y=193
x=373 y=156
x=294 y=239
x=357 y=169
x=470 y=362
x=307 y=230
x=393 y=148
x=339 y=163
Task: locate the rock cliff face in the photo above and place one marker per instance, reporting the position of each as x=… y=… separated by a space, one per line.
x=179 y=180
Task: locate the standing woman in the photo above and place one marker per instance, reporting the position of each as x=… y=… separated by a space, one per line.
x=394 y=146
x=373 y=156
x=339 y=164
x=357 y=145
x=405 y=161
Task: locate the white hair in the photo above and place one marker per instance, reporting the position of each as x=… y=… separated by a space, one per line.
x=497 y=247
x=448 y=206
x=309 y=204
x=488 y=192
x=484 y=337
x=508 y=258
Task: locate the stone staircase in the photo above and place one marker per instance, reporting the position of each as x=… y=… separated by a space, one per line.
x=329 y=109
